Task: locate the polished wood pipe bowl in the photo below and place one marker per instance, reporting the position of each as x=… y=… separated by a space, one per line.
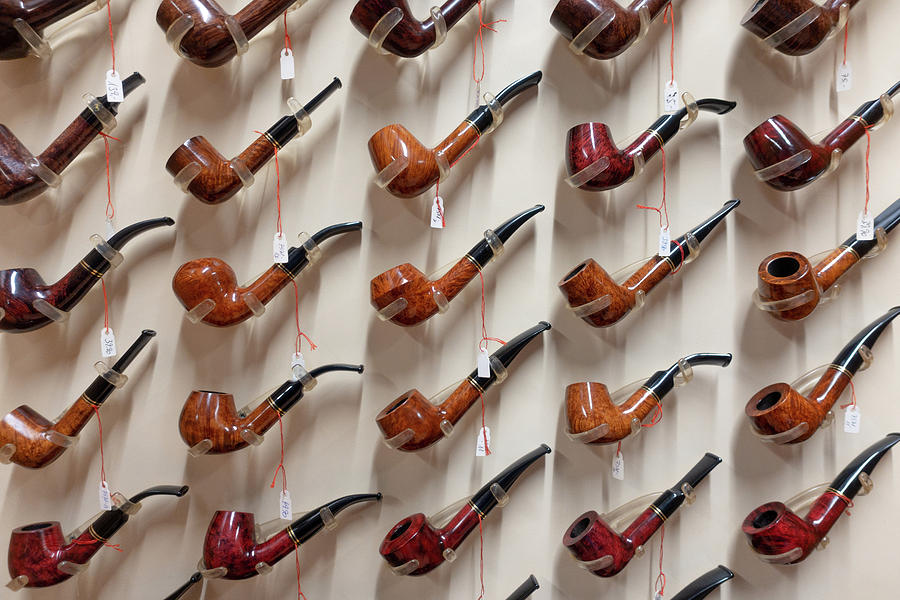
x=409 y=37
x=37 y=14
x=571 y=17
x=767 y=17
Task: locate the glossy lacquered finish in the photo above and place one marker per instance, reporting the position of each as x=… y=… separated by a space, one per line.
x=212 y=279
x=704 y=585
x=773 y=530
x=231 y=542
x=786 y=275
x=407 y=282
x=766 y=17
x=36 y=550
x=212 y=416
x=419 y=546
x=589 y=405
x=410 y=37
x=588 y=281
x=590 y=538
x=186 y=587
x=525 y=590
x=588 y=143
x=413 y=412
x=570 y=17
x=779 y=408
x=19 y=182
x=38 y=14
x=209 y=42
x=21 y=288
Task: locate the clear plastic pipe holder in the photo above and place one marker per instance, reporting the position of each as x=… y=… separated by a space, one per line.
x=110 y=254
x=797 y=160
x=392 y=18
x=103 y=114
x=600 y=23
x=298 y=373
x=51 y=312
x=114 y=377
x=183 y=24
x=39 y=44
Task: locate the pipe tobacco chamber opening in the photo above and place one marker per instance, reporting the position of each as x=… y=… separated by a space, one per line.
x=764 y=519
x=35 y=527
x=579 y=527
x=574 y=272
x=399 y=530
x=783 y=266
x=768 y=401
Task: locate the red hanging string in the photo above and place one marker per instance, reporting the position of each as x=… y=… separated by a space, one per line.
x=102 y=460
x=297 y=557
x=277 y=180
x=657 y=416
x=79 y=542
x=110 y=209
x=670 y=10
x=437 y=194
x=846 y=35
x=300 y=335
x=660 y=585
x=481 y=553
x=479 y=43
x=845 y=499
x=112 y=41
x=868 y=151
x=484 y=340
x=287 y=38
x=105 y=307
x=280 y=466
x=487 y=448
x=663 y=208
x=852 y=397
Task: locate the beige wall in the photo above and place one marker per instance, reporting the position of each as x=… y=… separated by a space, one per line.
x=332 y=444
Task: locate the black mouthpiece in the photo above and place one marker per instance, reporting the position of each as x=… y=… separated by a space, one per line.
x=297 y=259
x=322 y=96
x=508 y=352
x=126 y=234
x=669 y=125
x=129 y=84
x=100 y=389
x=887 y=220
x=180 y=592
x=290 y=392
x=312 y=523
x=160 y=490
x=484 y=499
x=526 y=589
x=847 y=482
x=849 y=358
x=705 y=584
x=481 y=253
x=287 y=127
x=679 y=248
x=662 y=382
x=482 y=118
x=674 y=497
x=112 y=520
x=894 y=89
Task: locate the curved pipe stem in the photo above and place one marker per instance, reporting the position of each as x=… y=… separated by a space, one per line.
x=184 y=589
x=705 y=584
x=409 y=37
x=525 y=590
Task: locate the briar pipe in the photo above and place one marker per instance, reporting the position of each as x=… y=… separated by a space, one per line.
x=602 y=301
x=594 y=417
x=202 y=32
x=36 y=14
x=186 y=587
x=231 y=541
x=789 y=417
x=40 y=555
x=35 y=442
x=406 y=296
x=210 y=282
x=606 y=551
x=412 y=422
x=213 y=179
x=704 y=585
x=409 y=37
x=24 y=176
x=789 y=287
x=622 y=29
x=27 y=299
x=780 y=536
x=801 y=25
x=525 y=590
x=210 y=422
x=785 y=158
x=590 y=148
x=416 y=545
x=415 y=168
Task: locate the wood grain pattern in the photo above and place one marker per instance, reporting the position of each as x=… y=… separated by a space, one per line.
x=589 y=538
x=767 y=17
x=35 y=551
x=413 y=411
x=230 y=543
x=410 y=37
x=570 y=17
x=589 y=281
x=406 y=281
x=27 y=430
x=217 y=181
x=414 y=538
x=588 y=405
x=772 y=529
x=589 y=142
x=208 y=43
x=20 y=288
x=787 y=274
x=39 y=14
x=395 y=141
x=212 y=416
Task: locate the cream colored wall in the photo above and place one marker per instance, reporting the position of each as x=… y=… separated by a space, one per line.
x=331 y=442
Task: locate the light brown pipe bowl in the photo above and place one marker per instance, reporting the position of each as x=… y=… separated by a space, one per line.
x=212 y=278
x=25 y=428
x=785 y=275
x=413 y=411
x=396 y=141
x=209 y=415
x=589 y=281
x=589 y=405
x=216 y=181
x=404 y=281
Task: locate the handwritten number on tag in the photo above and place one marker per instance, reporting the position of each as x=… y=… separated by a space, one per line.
x=284 y=506
x=618 y=467
x=670 y=96
x=665 y=241
x=865 y=226
x=851 y=419
x=844 y=77
x=107 y=343
x=105 y=497
x=437 y=213
x=279 y=248
x=114 y=90
x=484 y=435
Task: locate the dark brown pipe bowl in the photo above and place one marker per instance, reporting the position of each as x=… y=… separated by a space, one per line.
x=208 y=44
x=407 y=39
x=570 y=17
x=412 y=539
x=18 y=182
x=411 y=411
x=33 y=551
x=785 y=275
x=778 y=408
x=396 y=141
x=217 y=181
x=589 y=538
x=766 y=17
x=589 y=142
x=778 y=139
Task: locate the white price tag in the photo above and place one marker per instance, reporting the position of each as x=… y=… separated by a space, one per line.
x=105 y=497
x=851 y=419
x=665 y=242
x=865 y=226
x=298 y=365
x=670 y=96
x=658 y=596
x=618 y=467
x=114 y=91
x=107 y=342
x=287 y=63
x=437 y=213
x=279 y=248
x=483 y=444
x=844 y=77
x=484 y=363
x=110 y=229
x=284 y=506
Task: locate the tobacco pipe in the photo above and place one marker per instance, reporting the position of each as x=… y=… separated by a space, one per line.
x=778 y=535
x=40 y=555
x=184 y=589
x=704 y=585
x=525 y=590
x=202 y=32
x=604 y=551
x=24 y=176
x=406 y=296
x=30 y=440
x=812 y=22
x=789 y=287
x=782 y=411
x=26 y=298
x=409 y=37
x=231 y=541
x=786 y=159
x=213 y=179
x=590 y=144
x=210 y=422
x=36 y=14
x=571 y=17
x=596 y=418
x=210 y=281
x=601 y=301
x=412 y=422
x=418 y=167
x=416 y=545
